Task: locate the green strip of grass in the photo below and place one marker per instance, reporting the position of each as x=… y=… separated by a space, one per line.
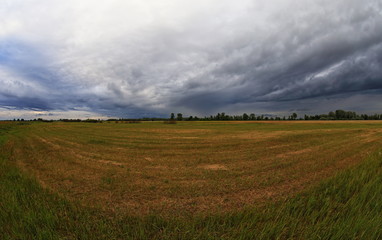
x=347 y=206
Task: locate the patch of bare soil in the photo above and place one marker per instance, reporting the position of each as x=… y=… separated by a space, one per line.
x=111 y=162
x=213 y=167
x=298 y=152
x=177 y=131
x=181 y=137
x=261 y=135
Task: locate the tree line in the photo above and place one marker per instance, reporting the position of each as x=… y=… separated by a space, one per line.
x=333 y=115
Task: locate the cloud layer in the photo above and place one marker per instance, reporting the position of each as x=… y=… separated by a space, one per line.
x=147 y=58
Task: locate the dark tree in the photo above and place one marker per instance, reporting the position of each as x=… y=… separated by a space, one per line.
x=179 y=117
x=172 y=116
x=340 y=114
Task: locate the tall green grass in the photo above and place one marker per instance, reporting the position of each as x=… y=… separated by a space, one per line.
x=347 y=206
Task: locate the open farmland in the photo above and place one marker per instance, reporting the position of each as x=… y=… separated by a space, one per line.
x=208 y=176
x=188 y=167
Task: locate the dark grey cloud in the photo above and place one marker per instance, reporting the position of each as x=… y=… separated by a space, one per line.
x=334 y=55
x=129 y=59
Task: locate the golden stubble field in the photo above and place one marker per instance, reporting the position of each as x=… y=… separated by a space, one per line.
x=191 y=167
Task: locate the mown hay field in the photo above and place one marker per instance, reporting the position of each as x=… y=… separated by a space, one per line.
x=188 y=168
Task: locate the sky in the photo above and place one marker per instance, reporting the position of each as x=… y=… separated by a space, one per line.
x=148 y=58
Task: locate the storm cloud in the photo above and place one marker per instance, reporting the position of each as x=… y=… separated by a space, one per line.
x=148 y=58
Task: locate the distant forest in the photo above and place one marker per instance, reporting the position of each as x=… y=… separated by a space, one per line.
x=333 y=115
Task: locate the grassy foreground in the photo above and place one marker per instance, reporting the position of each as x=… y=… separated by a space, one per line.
x=347 y=206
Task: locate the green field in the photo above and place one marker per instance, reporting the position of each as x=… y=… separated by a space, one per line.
x=191 y=180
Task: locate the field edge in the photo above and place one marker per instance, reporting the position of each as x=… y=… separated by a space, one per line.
x=346 y=206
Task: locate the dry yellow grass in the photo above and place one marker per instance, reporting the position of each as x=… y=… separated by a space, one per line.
x=188 y=167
